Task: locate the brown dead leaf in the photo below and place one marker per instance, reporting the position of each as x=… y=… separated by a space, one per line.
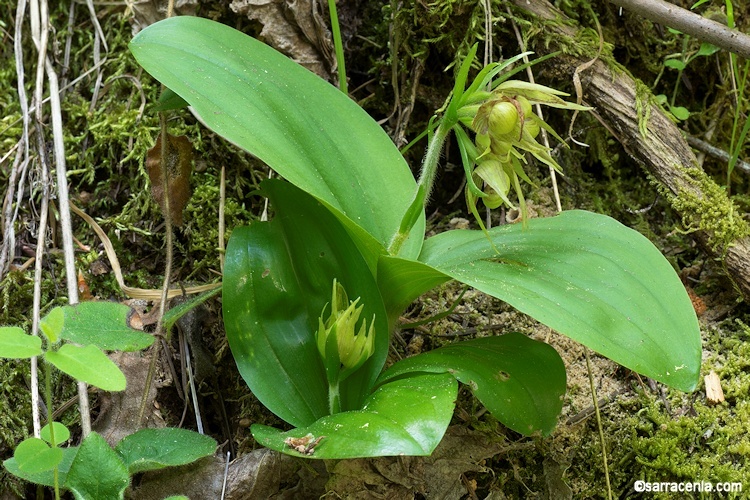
x=118 y=413
x=714 y=392
x=296 y=28
x=437 y=476
x=179 y=162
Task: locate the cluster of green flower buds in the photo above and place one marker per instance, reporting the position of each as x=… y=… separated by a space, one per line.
x=343 y=346
x=506 y=128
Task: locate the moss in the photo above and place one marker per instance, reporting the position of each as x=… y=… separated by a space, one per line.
x=712 y=212
x=15 y=415
x=643 y=101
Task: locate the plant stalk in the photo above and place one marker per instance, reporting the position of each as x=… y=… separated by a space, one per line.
x=427 y=175
x=334 y=397
x=338 y=46
x=53 y=442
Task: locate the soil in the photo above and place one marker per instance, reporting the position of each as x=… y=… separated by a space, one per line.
x=641 y=430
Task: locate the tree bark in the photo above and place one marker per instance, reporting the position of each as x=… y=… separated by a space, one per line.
x=659 y=147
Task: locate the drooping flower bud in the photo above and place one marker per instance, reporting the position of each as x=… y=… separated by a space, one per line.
x=503 y=118
x=497 y=183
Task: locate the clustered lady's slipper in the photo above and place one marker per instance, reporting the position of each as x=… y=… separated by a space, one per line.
x=505 y=128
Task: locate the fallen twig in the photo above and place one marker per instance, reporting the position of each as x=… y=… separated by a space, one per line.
x=690 y=23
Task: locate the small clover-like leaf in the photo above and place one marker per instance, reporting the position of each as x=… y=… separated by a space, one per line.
x=62 y=433
x=52 y=324
x=17 y=344
x=88 y=364
x=34 y=455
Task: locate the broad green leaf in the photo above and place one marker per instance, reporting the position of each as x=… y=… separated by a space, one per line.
x=278 y=277
x=52 y=324
x=301 y=126
x=151 y=449
x=45 y=478
x=34 y=456
x=519 y=380
x=62 y=433
x=97 y=471
x=103 y=324
x=590 y=278
x=17 y=344
x=402 y=281
x=408 y=416
x=88 y=364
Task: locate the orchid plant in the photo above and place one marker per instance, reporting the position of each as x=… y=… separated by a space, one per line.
x=310 y=298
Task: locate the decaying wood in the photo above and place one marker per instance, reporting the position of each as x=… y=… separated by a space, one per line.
x=661 y=150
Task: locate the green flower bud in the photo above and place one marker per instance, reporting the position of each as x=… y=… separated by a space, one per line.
x=525 y=106
x=483 y=143
x=496 y=181
x=503 y=118
x=338 y=340
x=532 y=127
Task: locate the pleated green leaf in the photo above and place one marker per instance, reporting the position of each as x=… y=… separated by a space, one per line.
x=301 y=126
x=408 y=416
x=519 y=380
x=590 y=278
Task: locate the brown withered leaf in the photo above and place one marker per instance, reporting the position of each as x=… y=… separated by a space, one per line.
x=179 y=161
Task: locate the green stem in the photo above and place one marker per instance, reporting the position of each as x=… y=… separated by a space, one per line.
x=431 y=157
x=53 y=443
x=426 y=177
x=338 y=46
x=334 y=397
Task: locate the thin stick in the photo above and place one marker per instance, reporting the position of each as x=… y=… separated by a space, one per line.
x=226 y=474
x=41 y=247
x=690 y=23
x=538 y=109
x=65 y=224
x=168 y=264
x=191 y=385
x=715 y=152
x=598 y=422
x=41 y=238
x=167 y=267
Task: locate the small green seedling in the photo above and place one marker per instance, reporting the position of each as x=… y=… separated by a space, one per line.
x=310 y=297
x=679 y=62
x=75 y=340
